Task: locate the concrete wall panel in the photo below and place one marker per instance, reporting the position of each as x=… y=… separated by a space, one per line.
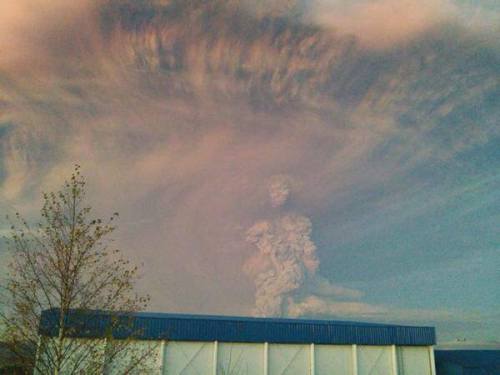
x=289 y=359
x=374 y=360
x=240 y=359
x=141 y=356
x=222 y=358
x=333 y=360
x=188 y=358
x=414 y=360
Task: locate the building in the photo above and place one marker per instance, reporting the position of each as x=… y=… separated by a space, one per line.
x=468 y=362
x=223 y=345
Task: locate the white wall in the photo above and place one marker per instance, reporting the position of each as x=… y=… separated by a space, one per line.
x=78 y=354
x=374 y=360
x=414 y=361
x=184 y=358
x=145 y=357
x=82 y=353
x=333 y=359
x=198 y=358
x=213 y=358
x=289 y=359
x=240 y=359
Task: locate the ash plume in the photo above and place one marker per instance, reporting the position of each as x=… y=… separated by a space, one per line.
x=182 y=111
x=286 y=261
x=279 y=190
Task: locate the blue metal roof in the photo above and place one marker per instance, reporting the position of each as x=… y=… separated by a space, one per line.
x=155 y=326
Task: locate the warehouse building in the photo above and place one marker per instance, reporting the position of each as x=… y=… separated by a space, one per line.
x=222 y=345
x=468 y=362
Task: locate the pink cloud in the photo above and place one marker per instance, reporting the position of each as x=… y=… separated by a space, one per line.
x=383 y=23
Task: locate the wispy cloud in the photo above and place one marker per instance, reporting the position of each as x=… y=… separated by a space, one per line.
x=181 y=118
x=383 y=23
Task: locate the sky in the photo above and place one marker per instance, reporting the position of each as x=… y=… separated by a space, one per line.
x=328 y=159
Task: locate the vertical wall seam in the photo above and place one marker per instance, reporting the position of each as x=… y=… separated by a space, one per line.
x=394 y=360
x=161 y=357
x=312 y=360
x=215 y=354
x=432 y=362
x=266 y=358
x=354 y=359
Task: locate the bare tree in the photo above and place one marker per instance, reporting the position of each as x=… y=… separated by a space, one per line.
x=66 y=264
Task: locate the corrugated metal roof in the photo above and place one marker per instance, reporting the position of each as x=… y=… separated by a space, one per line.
x=155 y=326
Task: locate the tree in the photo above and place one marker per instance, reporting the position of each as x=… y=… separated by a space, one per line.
x=66 y=263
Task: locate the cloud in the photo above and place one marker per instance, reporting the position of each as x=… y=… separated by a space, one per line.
x=321 y=286
x=279 y=190
x=319 y=306
x=286 y=263
x=287 y=255
x=383 y=23
x=36 y=32
x=314 y=305
x=186 y=122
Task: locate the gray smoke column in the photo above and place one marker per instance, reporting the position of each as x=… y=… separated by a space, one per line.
x=284 y=270
x=287 y=255
x=279 y=190
x=286 y=245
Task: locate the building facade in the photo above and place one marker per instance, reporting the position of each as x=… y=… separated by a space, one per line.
x=468 y=362
x=219 y=345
